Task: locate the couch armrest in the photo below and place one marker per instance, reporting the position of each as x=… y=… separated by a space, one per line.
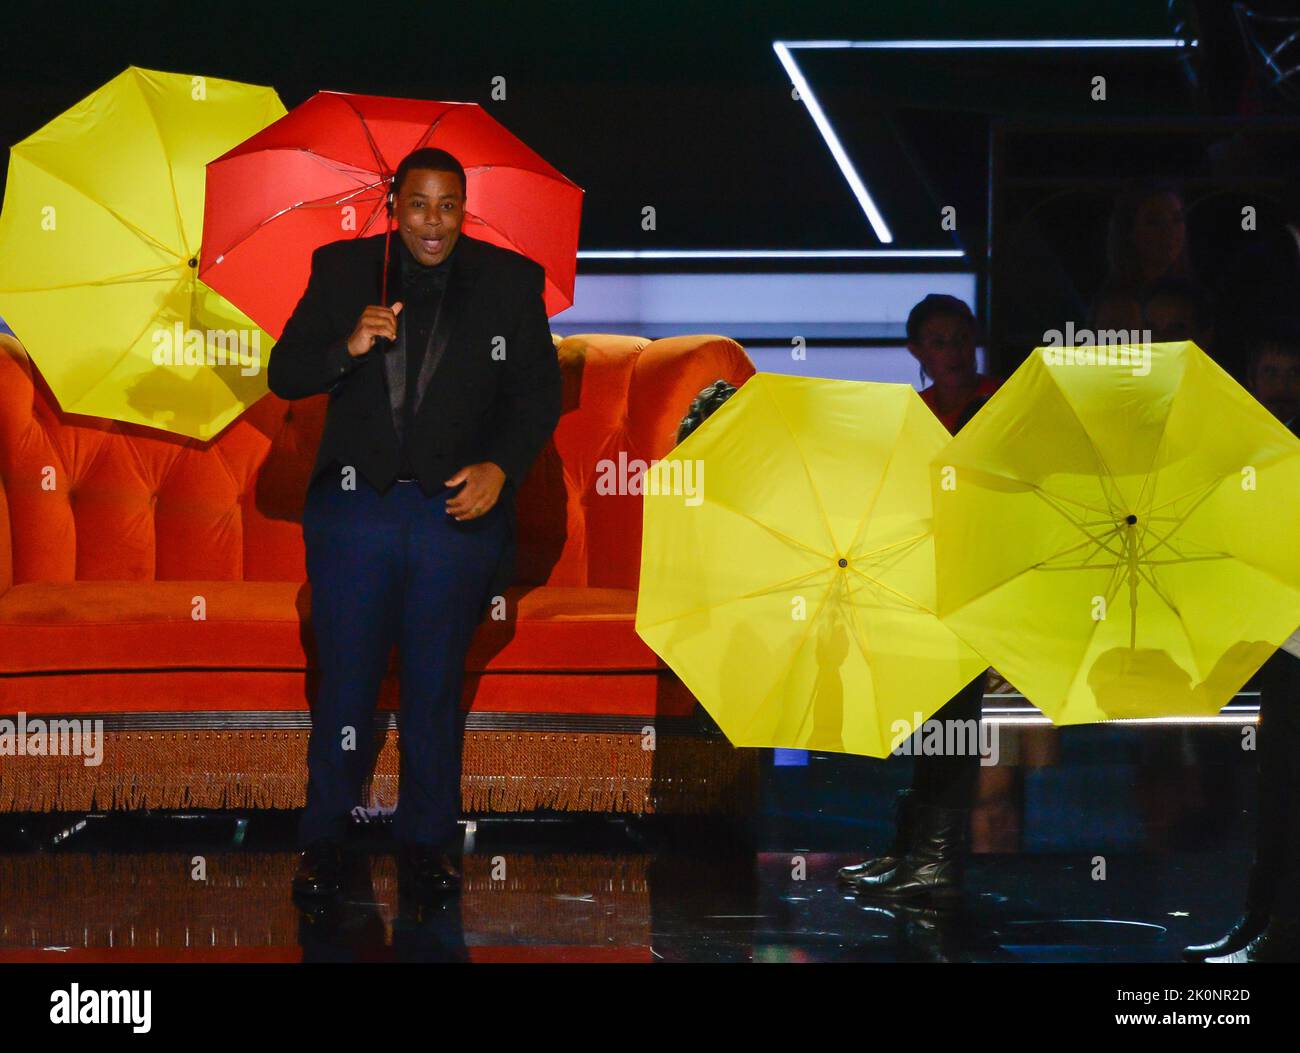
x=669 y=373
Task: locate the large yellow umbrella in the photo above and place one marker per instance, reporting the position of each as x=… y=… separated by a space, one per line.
x=99 y=249
x=1115 y=532
x=787 y=569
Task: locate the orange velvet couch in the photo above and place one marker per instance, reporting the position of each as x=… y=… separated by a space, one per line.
x=158 y=583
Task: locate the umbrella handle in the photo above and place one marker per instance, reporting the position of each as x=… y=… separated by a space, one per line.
x=383 y=285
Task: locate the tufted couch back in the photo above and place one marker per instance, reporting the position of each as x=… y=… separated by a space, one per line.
x=84 y=498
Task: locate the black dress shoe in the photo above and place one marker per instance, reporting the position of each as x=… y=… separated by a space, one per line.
x=320 y=870
x=932 y=867
x=428 y=868
x=885 y=864
x=929 y=932
x=1279 y=942
x=1246 y=929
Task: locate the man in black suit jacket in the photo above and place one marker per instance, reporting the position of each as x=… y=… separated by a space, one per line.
x=438 y=406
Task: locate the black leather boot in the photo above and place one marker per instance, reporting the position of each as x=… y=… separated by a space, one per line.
x=1247 y=927
x=1279 y=942
x=885 y=864
x=320 y=869
x=425 y=869
x=932 y=865
x=928 y=933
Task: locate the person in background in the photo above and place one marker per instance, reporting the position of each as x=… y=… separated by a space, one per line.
x=1175 y=309
x=932 y=818
x=1116 y=316
x=703 y=406
x=1269 y=930
x=1146 y=240
x=941 y=333
x=1262 y=279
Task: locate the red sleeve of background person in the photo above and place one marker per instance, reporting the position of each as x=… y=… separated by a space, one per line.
x=987 y=386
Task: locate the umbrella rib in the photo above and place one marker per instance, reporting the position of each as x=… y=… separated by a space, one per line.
x=120 y=356
x=734 y=599
x=1079 y=525
x=892 y=545
x=1205 y=490
x=1084 y=564
x=144 y=236
x=803 y=462
x=771 y=529
x=329 y=201
x=779 y=680
x=504 y=236
x=1151 y=476
x=1177 y=521
x=428 y=133
x=553 y=176
x=161 y=273
x=1078 y=665
x=1150 y=579
x=1108 y=512
x=171 y=175
x=907 y=600
x=890 y=553
x=880 y=485
x=1087 y=434
x=859 y=637
x=1208 y=558
x=320 y=202
x=381 y=165
x=1033 y=566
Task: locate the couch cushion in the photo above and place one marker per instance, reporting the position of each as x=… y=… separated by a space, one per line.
x=150 y=625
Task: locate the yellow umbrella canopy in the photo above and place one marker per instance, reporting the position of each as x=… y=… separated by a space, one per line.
x=99 y=248
x=787 y=566
x=1115 y=532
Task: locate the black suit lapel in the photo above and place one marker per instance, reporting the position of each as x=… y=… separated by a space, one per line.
x=464 y=272
x=395 y=356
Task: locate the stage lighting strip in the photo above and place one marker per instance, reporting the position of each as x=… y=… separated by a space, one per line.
x=808 y=97
x=784 y=52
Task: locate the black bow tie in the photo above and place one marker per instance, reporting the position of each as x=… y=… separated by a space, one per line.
x=419 y=281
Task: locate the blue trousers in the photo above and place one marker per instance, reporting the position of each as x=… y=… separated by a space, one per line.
x=392 y=568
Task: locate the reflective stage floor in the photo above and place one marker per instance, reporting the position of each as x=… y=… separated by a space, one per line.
x=1111 y=844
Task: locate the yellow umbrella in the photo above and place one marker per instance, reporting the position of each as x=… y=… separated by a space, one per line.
x=787 y=568
x=99 y=247
x=1115 y=532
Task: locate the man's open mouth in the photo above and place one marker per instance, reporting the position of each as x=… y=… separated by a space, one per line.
x=432 y=245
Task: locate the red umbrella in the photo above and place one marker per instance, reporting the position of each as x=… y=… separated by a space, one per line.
x=321 y=172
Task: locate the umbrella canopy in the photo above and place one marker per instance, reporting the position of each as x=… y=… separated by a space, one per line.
x=321 y=175
x=787 y=570
x=99 y=246
x=1115 y=532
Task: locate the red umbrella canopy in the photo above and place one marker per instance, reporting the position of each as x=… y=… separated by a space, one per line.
x=321 y=172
